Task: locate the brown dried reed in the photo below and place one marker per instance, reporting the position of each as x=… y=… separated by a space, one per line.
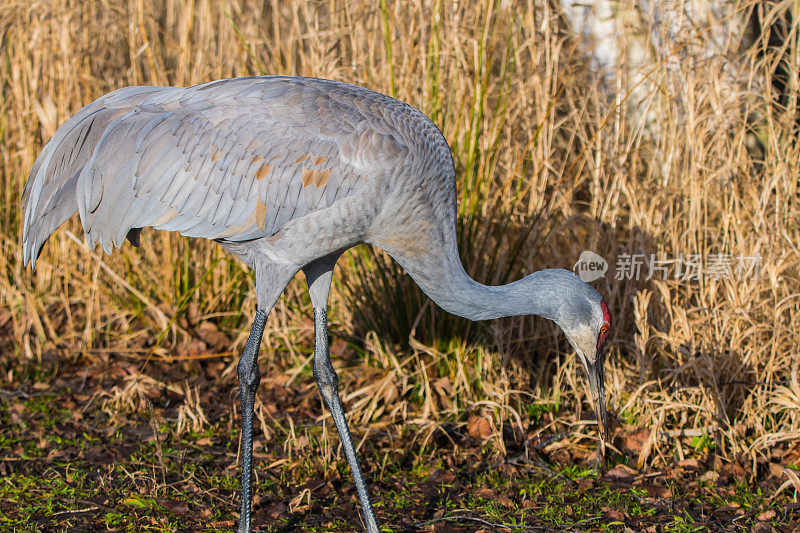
x=693 y=153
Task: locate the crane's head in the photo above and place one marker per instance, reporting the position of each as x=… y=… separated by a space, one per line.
x=586 y=321
x=583 y=316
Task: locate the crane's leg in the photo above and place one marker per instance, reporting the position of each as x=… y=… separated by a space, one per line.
x=319 y=276
x=249 y=378
x=271 y=279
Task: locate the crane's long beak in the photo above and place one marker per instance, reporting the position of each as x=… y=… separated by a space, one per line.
x=597 y=388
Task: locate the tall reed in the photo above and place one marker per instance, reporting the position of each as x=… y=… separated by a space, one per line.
x=692 y=154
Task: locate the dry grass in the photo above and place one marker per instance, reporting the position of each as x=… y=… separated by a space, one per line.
x=694 y=154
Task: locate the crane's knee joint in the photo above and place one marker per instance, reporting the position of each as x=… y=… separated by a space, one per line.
x=326 y=378
x=249 y=374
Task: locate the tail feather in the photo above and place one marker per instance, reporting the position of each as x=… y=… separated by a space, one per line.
x=48 y=199
x=59 y=210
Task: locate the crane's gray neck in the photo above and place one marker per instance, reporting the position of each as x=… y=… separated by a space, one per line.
x=429 y=253
x=446 y=282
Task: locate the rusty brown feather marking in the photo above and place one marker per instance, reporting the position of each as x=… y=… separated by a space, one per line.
x=263 y=170
x=321 y=178
x=319 y=160
x=216 y=153
x=308 y=177
x=315 y=177
x=302 y=158
x=261 y=215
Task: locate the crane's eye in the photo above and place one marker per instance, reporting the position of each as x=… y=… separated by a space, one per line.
x=601 y=338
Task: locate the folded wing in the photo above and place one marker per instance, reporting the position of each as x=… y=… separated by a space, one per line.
x=230 y=160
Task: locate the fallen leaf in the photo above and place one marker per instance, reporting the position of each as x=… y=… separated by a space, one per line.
x=212 y=336
x=175 y=506
x=730 y=508
x=486 y=493
x=633 y=442
x=690 y=464
x=613 y=514
x=479 y=427
x=196 y=347
x=732 y=470
x=766 y=516
x=622 y=473
x=443 y=476
x=276 y=510
x=708 y=477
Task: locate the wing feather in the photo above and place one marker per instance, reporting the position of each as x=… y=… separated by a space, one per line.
x=235 y=159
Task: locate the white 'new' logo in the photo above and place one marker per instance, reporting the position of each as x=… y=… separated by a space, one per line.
x=590 y=266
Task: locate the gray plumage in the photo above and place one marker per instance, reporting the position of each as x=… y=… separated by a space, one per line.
x=287 y=173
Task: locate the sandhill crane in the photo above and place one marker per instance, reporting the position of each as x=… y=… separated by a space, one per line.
x=287 y=173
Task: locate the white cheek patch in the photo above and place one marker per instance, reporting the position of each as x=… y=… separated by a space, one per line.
x=583 y=340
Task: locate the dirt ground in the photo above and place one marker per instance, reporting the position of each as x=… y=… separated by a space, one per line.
x=72 y=460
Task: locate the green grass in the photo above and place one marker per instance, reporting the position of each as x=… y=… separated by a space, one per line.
x=144 y=484
x=68 y=467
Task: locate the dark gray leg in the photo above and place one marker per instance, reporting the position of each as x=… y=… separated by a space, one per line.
x=318 y=275
x=249 y=378
x=328 y=383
